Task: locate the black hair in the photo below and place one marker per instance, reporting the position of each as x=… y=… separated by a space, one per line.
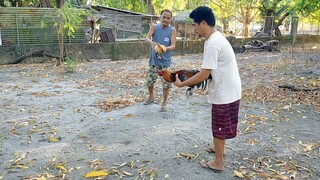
x=203 y=13
x=166 y=10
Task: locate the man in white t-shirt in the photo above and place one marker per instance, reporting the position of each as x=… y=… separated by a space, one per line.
x=224 y=89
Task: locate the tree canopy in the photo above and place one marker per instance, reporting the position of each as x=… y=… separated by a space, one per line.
x=273 y=13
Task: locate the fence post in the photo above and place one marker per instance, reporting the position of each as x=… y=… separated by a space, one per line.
x=17 y=29
x=293 y=32
x=183 y=47
x=294 y=28
x=115 y=28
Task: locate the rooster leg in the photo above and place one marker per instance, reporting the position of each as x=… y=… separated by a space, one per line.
x=189 y=92
x=205 y=83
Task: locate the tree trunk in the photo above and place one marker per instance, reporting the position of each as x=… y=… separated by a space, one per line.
x=150 y=7
x=246 y=30
x=59 y=3
x=226 y=26
x=268 y=25
x=277 y=31
x=45 y=3
x=276 y=26
x=245 y=22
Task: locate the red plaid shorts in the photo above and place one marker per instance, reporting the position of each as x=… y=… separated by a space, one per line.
x=225 y=120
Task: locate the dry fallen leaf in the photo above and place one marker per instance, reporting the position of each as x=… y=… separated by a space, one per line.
x=308 y=147
x=238 y=174
x=62 y=168
x=21 y=166
x=152 y=174
x=187 y=155
x=96 y=162
x=128 y=115
x=54 y=139
x=93 y=174
x=248 y=130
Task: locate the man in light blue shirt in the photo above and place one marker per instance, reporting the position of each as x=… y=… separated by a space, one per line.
x=163 y=34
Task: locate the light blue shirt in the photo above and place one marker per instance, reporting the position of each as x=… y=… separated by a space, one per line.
x=163 y=36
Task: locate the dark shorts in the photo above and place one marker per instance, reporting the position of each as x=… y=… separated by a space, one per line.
x=225 y=120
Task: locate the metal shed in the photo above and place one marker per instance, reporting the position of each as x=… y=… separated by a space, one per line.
x=124 y=25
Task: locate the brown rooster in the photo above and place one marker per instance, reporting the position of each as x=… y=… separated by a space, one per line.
x=184 y=75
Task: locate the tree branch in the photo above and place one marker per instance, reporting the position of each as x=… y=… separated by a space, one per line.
x=293 y=88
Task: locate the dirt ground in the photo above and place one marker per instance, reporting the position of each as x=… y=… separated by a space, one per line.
x=58 y=125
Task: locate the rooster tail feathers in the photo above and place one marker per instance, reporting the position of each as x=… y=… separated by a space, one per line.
x=203 y=85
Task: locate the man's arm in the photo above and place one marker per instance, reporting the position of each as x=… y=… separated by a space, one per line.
x=199 y=77
x=149 y=35
x=173 y=40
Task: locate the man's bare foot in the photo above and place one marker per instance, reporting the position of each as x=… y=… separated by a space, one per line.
x=211 y=165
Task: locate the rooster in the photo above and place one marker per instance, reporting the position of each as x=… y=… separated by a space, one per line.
x=184 y=75
x=159 y=49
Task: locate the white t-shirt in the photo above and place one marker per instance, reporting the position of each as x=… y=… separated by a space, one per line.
x=219 y=56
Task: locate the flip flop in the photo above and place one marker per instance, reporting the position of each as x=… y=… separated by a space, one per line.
x=205 y=164
x=211 y=150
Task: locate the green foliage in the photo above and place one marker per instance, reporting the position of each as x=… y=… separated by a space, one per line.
x=312 y=18
x=302 y=7
x=223 y=10
x=70 y=64
x=28 y=3
x=281 y=9
x=69 y=18
x=6 y=3
x=307 y=7
x=130 y=5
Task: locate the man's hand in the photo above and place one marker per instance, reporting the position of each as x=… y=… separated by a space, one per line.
x=159 y=49
x=178 y=81
x=153 y=44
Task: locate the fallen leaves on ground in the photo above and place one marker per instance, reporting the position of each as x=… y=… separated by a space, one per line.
x=111 y=103
x=272 y=168
x=268 y=76
x=19 y=163
x=119 y=169
x=187 y=155
x=42 y=94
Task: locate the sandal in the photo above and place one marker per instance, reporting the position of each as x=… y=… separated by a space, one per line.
x=163 y=109
x=148 y=102
x=205 y=165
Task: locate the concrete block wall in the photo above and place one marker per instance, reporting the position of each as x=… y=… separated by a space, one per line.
x=131 y=50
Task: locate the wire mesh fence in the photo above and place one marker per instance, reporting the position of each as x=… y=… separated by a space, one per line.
x=32 y=26
x=35 y=26
x=237 y=29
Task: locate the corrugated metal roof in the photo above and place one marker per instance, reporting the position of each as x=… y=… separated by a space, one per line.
x=99 y=7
